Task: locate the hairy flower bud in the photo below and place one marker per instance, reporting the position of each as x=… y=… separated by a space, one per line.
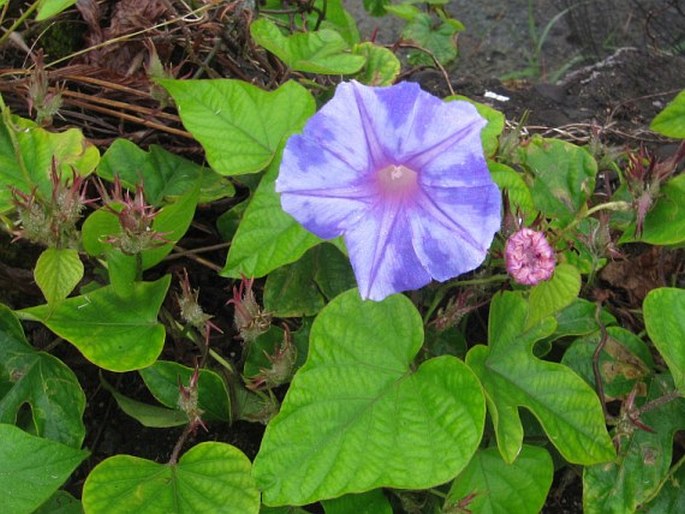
x=249 y=318
x=529 y=257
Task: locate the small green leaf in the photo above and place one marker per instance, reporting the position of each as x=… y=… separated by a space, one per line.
x=671 y=121
x=578 y=319
x=32 y=468
x=210 y=477
x=440 y=40
x=554 y=294
x=323 y=51
x=563 y=177
x=566 y=407
x=41 y=381
x=488 y=484
x=664 y=311
x=57 y=273
x=267 y=238
x=373 y=502
x=163 y=377
x=49 y=8
x=118 y=333
x=382 y=66
x=147 y=415
x=239 y=125
x=644 y=459
x=164 y=175
x=357 y=409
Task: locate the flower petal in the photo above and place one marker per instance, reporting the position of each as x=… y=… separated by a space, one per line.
x=382 y=254
x=452 y=228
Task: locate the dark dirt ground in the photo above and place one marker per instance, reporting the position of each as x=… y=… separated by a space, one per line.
x=617 y=93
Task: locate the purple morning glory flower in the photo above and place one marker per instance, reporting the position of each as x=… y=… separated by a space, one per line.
x=401 y=175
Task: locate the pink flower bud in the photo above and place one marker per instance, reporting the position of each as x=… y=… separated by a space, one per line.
x=529 y=257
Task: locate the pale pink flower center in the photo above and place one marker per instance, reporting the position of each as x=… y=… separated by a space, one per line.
x=397 y=180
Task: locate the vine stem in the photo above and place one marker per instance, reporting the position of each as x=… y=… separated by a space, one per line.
x=618 y=205
x=440 y=294
x=595 y=360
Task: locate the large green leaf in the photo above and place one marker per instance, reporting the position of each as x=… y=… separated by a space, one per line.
x=267 y=237
x=566 y=407
x=26 y=153
x=239 y=125
x=323 y=51
x=60 y=503
x=58 y=272
x=359 y=416
x=41 y=381
x=671 y=121
x=32 y=468
x=511 y=181
x=118 y=333
x=488 y=484
x=644 y=459
x=210 y=477
x=664 y=311
x=163 y=377
x=162 y=173
x=563 y=177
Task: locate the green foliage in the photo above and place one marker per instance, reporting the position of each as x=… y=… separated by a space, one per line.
x=381 y=67
x=488 y=484
x=373 y=502
x=664 y=311
x=644 y=458
x=357 y=408
x=118 y=333
x=49 y=8
x=665 y=222
x=550 y=296
x=165 y=176
x=562 y=177
x=239 y=125
x=323 y=51
x=27 y=152
x=163 y=379
x=671 y=121
x=267 y=238
x=41 y=381
x=32 y=468
x=567 y=409
x=57 y=273
x=210 y=477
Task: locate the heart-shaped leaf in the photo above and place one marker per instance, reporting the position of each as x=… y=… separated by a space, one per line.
x=566 y=407
x=357 y=415
x=41 y=381
x=118 y=333
x=382 y=65
x=210 y=477
x=322 y=51
x=239 y=125
x=267 y=237
x=664 y=311
x=488 y=484
x=32 y=468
